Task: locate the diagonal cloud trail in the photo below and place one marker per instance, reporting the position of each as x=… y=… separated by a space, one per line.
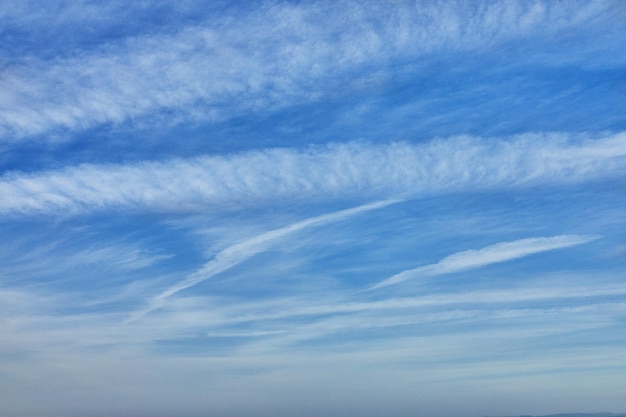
x=244 y=250
x=500 y=252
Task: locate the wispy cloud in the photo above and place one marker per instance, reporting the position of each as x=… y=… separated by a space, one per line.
x=31 y=317
x=352 y=170
x=242 y=251
x=241 y=198
x=266 y=58
x=52 y=260
x=191 y=313
x=500 y=252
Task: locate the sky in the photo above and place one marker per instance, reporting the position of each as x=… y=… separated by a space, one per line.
x=320 y=208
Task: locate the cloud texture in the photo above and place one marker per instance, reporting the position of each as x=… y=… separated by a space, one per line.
x=322 y=208
x=335 y=171
x=270 y=57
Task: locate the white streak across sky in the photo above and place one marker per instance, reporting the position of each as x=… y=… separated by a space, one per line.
x=240 y=252
x=289 y=209
x=336 y=171
x=500 y=252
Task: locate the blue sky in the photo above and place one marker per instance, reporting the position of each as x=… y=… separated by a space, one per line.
x=312 y=208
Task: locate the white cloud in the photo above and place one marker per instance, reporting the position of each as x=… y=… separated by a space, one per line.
x=270 y=57
x=500 y=252
x=352 y=170
x=33 y=319
x=240 y=252
x=185 y=315
x=289 y=313
x=76 y=253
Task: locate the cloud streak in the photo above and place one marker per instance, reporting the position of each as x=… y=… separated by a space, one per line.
x=500 y=252
x=336 y=171
x=242 y=251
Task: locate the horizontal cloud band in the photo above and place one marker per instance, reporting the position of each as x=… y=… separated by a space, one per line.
x=353 y=170
x=270 y=57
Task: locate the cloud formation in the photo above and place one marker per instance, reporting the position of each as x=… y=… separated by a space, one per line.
x=349 y=170
x=500 y=252
x=240 y=252
x=267 y=58
x=198 y=197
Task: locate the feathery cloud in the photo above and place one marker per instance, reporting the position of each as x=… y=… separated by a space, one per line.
x=352 y=170
x=500 y=252
x=267 y=58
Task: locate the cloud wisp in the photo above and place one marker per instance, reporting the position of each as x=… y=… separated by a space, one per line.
x=266 y=58
x=350 y=170
x=500 y=252
x=246 y=249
